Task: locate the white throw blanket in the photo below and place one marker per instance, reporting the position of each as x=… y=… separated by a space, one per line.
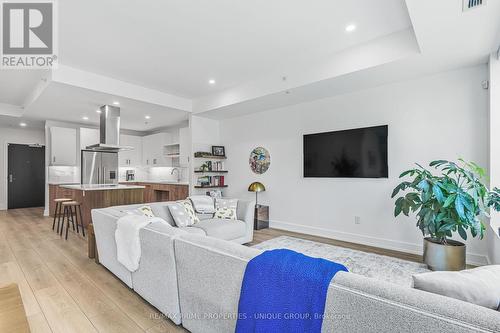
x=128 y=243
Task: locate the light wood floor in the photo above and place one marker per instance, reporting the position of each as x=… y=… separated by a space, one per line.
x=64 y=291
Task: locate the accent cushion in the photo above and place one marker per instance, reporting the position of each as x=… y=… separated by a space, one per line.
x=183 y=213
x=479 y=286
x=226 y=208
x=203 y=204
x=160 y=209
x=222 y=228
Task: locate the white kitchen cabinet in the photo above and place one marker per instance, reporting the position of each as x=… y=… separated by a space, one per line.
x=153 y=150
x=184 y=146
x=63 y=148
x=88 y=137
x=130 y=158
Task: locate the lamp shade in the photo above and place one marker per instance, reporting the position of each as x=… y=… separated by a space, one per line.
x=256 y=187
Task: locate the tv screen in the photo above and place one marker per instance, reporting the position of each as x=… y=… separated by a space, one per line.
x=354 y=153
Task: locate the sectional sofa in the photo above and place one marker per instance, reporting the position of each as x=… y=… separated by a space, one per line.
x=195 y=280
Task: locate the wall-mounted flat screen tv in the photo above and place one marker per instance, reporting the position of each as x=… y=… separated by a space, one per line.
x=353 y=153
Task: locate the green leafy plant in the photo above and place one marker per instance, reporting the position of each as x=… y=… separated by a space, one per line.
x=454 y=201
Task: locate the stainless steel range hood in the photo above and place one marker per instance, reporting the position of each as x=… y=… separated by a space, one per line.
x=109 y=131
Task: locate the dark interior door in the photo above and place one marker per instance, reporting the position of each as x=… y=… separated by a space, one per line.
x=26 y=176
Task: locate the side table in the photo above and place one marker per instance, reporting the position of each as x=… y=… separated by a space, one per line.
x=261 y=217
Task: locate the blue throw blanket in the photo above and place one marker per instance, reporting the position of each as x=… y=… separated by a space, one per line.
x=284 y=291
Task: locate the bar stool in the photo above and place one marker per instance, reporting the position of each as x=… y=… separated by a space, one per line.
x=58 y=211
x=70 y=213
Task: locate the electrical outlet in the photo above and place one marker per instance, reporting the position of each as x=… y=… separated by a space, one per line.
x=357 y=220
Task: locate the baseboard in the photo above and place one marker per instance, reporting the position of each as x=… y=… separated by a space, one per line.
x=389 y=244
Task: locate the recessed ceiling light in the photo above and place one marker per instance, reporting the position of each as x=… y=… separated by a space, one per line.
x=116 y=103
x=147 y=117
x=85 y=118
x=98 y=111
x=350 y=28
x=23 y=124
x=211 y=81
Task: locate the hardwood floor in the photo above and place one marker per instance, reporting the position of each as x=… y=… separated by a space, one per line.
x=64 y=291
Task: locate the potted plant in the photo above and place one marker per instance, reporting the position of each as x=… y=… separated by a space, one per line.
x=454 y=201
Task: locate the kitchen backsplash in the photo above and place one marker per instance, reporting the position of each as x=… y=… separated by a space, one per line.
x=155 y=174
x=63 y=174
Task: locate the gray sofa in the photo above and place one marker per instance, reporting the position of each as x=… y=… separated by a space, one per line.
x=156 y=279
x=195 y=280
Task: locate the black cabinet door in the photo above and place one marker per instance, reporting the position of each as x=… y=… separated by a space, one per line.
x=26 y=176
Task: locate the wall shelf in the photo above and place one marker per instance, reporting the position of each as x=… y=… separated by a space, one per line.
x=212 y=157
x=197 y=186
x=213 y=171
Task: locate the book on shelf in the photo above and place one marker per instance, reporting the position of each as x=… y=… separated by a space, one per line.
x=211 y=181
x=211 y=166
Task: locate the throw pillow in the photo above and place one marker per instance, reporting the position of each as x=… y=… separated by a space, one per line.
x=146 y=211
x=226 y=208
x=183 y=213
x=479 y=285
x=225 y=213
x=180 y=215
x=203 y=204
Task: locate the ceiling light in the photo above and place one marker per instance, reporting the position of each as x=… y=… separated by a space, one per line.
x=350 y=28
x=98 y=111
x=116 y=103
x=85 y=118
x=147 y=117
x=211 y=81
x=23 y=124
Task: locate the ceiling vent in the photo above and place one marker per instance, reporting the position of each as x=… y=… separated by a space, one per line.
x=470 y=4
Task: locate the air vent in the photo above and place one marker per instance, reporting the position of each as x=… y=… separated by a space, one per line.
x=470 y=4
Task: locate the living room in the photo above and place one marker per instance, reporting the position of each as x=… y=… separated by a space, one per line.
x=265 y=158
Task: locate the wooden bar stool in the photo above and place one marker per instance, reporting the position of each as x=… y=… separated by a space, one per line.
x=71 y=211
x=58 y=211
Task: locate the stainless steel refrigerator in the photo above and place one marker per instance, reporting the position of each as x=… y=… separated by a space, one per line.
x=99 y=167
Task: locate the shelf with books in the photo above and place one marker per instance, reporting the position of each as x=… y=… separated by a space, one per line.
x=210 y=186
x=207 y=180
x=209 y=169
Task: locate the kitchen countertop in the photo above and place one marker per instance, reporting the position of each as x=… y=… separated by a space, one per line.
x=88 y=187
x=163 y=182
x=64 y=183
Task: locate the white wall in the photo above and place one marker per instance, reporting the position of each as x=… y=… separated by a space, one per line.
x=14 y=135
x=438 y=117
x=494 y=151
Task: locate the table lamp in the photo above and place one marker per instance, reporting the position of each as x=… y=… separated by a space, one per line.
x=256 y=187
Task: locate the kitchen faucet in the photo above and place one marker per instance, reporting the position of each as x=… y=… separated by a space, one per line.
x=178 y=173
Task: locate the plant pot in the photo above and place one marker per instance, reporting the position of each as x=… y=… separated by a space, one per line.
x=439 y=257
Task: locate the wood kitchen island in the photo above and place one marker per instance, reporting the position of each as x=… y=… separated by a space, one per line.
x=97 y=196
x=126 y=193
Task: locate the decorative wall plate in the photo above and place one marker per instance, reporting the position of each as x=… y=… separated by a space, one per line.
x=259 y=160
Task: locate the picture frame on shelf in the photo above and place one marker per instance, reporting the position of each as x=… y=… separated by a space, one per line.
x=218 y=151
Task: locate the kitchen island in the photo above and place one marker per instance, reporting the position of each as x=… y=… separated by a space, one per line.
x=157 y=191
x=96 y=196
